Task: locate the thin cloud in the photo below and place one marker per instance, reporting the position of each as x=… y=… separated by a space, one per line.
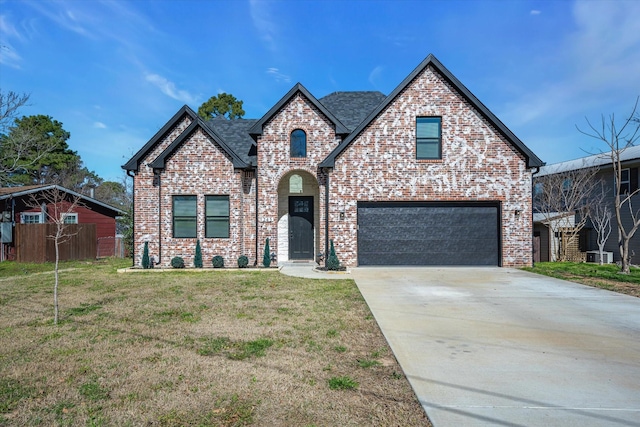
x=169 y=88
x=599 y=62
x=535 y=12
x=263 y=23
x=375 y=75
x=278 y=76
x=99 y=125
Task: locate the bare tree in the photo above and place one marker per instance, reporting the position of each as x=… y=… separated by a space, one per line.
x=10 y=104
x=563 y=200
x=601 y=215
x=618 y=138
x=58 y=207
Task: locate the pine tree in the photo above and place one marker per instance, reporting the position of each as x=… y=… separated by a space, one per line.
x=197 y=262
x=266 y=259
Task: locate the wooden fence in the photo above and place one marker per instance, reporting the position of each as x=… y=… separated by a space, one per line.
x=34 y=244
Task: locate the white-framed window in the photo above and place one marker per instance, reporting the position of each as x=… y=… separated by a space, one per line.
x=625 y=182
x=69 y=218
x=31 y=218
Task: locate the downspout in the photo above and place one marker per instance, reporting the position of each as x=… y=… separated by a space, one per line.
x=133 y=217
x=326 y=215
x=256 y=175
x=537 y=169
x=159 y=219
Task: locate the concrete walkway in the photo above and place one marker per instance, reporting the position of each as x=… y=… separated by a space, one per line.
x=503 y=347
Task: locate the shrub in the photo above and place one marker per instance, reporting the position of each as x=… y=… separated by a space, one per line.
x=266 y=258
x=243 y=261
x=218 y=261
x=177 y=262
x=197 y=261
x=145 y=256
x=332 y=261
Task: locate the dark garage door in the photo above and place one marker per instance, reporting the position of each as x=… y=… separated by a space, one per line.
x=394 y=233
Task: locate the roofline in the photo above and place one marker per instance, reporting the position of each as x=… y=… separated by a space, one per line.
x=256 y=129
x=160 y=161
x=532 y=159
x=134 y=163
x=66 y=190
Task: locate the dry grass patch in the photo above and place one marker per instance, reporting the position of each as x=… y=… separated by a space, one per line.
x=209 y=348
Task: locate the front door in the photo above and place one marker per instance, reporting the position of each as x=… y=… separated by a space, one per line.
x=300 y=227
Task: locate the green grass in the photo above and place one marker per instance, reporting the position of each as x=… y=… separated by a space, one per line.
x=601 y=276
x=368 y=363
x=342 y=383
x=562 y=269
x=11 y=393
x=237 y=350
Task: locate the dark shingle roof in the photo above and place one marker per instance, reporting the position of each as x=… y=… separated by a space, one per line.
x=351 y=108
x=235 y=133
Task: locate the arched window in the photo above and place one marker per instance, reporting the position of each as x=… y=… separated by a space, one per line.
x=298 y=143
x=295 y=184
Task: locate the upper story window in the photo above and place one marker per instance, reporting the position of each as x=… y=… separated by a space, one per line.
x=625 y=182
x=217 y=216
x=428 y=137
x=184 y=216
x=298 y=143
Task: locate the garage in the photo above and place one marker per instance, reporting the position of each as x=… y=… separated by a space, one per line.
x=429 y=233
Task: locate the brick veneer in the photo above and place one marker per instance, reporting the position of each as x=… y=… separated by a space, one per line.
x=477 y=164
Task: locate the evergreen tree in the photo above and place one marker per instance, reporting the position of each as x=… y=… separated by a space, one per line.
x=332 y=261
x=145 y=256
x=266 y=259
x=197 y=262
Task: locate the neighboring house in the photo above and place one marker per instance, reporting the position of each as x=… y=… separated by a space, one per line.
x=424 y=176
x=17 y=207
x=630 y=162
x=547 y=234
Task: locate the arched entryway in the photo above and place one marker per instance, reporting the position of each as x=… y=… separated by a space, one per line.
x=298 y=216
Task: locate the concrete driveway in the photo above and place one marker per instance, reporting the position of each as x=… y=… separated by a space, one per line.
x=503 y=347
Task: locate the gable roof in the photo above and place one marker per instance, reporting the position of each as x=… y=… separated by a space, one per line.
x=351 y=108
x=7 y=193
x=198 y=123
x=532 y=159
x=595 y=160
x=256 y=129
x=134 y=163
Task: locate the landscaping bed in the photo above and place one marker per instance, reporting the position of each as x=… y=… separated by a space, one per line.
x=231 y=349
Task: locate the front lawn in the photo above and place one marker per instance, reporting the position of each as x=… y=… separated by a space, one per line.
x=601 y=276
x=205 y=348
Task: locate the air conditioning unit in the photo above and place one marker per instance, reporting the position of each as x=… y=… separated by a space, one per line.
x=594 y=256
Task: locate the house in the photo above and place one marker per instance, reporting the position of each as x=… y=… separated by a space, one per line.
x=630 y=162
x=548 y=234
x=17 y=207
x=426 y=175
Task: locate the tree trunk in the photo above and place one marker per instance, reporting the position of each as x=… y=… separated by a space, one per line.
x=55 y=286
x=624 y=268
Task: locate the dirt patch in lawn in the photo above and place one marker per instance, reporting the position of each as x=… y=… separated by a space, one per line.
x=223 y=349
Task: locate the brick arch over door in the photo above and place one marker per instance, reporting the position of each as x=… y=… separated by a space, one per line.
x=298 y=191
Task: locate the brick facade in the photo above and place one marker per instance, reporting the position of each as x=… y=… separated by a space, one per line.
x=479 y=163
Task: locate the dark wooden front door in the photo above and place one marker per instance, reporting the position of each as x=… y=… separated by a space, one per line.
x=300 y=227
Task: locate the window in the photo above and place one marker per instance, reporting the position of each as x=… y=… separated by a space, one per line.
x=217 y=212
x=298 y=143
x=32 y=218
x=184 y=216
x=428 y=137
x=295 y=184
x=69 y=218
x=624 y=181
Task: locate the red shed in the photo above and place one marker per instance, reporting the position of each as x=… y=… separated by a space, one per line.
x=18 y=206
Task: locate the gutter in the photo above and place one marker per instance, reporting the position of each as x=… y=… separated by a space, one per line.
x=326 y=215
x=133 y=217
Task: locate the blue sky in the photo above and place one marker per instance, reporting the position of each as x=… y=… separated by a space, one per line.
x=114 y=72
